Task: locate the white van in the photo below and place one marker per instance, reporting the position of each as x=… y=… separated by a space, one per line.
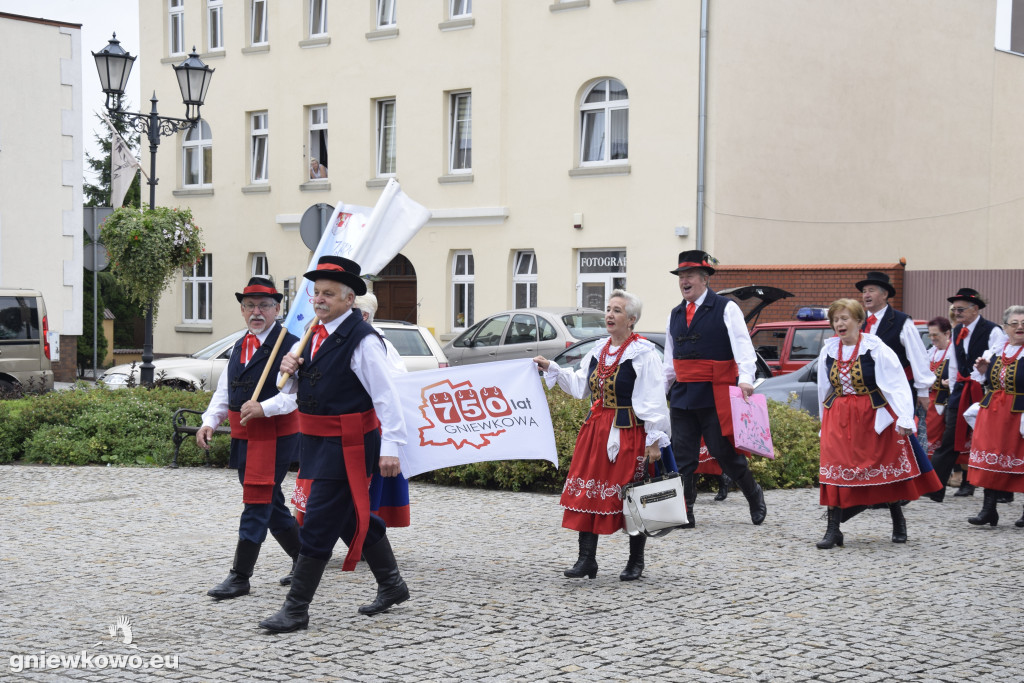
x=24 y=349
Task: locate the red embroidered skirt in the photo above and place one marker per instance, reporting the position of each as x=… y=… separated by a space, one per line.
x=860 y=467
x=592 y=495
x=705 y=463
x=997 y=449
x=935 y=424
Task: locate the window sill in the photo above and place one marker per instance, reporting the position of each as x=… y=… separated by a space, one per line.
x=253 y=49
x=315 y=186
x=194 y=328
x=214 y=54
x=174 y=59
x=374 y=183
x=193 y=192
x=568 y=5
x=457 y=24
x=319 y=41
x=453 y=178
x=382 y=34
x=256 y=189
x=588 y=171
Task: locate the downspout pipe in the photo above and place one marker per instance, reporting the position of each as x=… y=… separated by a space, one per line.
x=702 y=121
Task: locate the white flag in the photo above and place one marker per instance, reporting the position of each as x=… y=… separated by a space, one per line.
x=123 y=166
x=370 y=237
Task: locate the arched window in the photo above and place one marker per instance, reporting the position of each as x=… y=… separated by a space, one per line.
x=604 y=123
x=197 y=156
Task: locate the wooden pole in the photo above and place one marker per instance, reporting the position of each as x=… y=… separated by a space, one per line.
x=298 y=351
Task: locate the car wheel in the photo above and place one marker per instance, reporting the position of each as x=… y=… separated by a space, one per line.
x=7 y=389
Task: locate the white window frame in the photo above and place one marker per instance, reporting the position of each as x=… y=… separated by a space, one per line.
x=387 y=13
x=317 y=18
x=214 y=25
x=317 y=121
x=460 y=9
x=525 y=260
x=460 y=129
x=259 y=34
x=176 y=27
x=288 y=292
x=604 y=110
x=194 y=155
x=197 y=291
x=260 y=266
x=386 y=141
x=259 y=148
x=464 y=281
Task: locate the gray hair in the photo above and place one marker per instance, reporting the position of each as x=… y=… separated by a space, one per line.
x=633 y=304
x=1012 y=310
x=367 y=303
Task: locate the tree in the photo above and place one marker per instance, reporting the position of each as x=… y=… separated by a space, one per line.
x=99 y=194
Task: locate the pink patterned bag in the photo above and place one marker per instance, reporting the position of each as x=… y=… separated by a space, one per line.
x=750 y=423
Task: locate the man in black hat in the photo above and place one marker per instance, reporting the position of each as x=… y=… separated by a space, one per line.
x=707 y=350
x=264 y=435
x=349 y=423
x=972 y=336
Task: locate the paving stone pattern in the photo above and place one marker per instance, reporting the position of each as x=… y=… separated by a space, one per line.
x=728 y=601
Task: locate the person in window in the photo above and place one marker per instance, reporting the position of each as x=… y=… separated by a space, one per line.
x=626 y=428
x=264 y=435
x=943 y=364
x=997 y=448
x=869 y=454
x=316 y=169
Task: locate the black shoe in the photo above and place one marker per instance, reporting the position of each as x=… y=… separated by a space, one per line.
x=635 y=565
x=586 y=563
x=391 y=588
x=833 y=536
x=899 y=523
x=1020 y=522
x=1004 y=497
x=290 y=543
x=690 y=497
x=964 y=490
x=988 y=513
x=724 y=482
x=755 y=497
x=294 y=614
x=938 y=496
x=237 y=583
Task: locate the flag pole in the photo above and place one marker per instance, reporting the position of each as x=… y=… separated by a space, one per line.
x=298 y=352
x=266 y=369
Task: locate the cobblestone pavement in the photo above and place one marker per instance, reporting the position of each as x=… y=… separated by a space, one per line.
x=82 y=547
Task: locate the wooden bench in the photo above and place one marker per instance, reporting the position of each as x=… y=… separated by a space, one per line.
x=182 y=430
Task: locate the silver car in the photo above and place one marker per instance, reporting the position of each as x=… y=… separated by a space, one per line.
x=524 y=333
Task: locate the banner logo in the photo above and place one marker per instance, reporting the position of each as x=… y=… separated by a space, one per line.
x=458 y=415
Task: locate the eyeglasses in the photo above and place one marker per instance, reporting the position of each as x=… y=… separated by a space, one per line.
x=1015 y=323
x=961 y=309
x=265 y=306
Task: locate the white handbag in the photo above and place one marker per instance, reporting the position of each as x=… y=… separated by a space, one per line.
x=655 y=506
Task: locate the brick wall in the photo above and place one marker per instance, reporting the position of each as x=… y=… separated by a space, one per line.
x=811 y=285
x=66 y=370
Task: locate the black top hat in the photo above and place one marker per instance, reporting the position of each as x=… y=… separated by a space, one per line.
x=969 y=295
x=695 y=258
x=340 y=270
x=874 y=277
x=260 y=286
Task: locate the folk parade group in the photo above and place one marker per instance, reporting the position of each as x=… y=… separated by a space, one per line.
x=338 y=414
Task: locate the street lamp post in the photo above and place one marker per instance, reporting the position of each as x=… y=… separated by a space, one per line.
x=114 y=65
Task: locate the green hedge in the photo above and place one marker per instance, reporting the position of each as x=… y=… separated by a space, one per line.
x=95 y=426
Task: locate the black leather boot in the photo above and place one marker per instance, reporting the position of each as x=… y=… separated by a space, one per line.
x=724 y=482
x=635 y=564
x=851 y=512
x=690 y=497
x=1004 y=496
x=833 y=536
x=391 y=588
x=289 y=541
x=988 y=514
x=965 y=488
x=1020 y=522
x=586 y=564
x=899 y=523
x=755 y=497
x=237 y=583
x=294 y=614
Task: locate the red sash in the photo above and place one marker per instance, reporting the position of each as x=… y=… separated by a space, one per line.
x=722 y=374
x=971 y=394
x=350 y=427
x=261 y=452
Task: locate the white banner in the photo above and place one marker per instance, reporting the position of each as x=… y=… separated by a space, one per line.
x=123 y=166
x=474 y=413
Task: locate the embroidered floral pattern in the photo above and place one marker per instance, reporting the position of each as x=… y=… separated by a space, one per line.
x=903 y=468
x=592 y=489
x=997 y=461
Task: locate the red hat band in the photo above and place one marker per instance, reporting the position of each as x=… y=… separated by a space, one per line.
x=330 y=266
x=690 y=264
x=258 y=289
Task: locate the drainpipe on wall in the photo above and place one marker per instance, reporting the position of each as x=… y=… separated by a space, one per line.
x=702 y=106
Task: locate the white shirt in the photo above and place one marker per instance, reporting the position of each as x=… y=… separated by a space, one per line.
x=739 y=341
x=913 y=345
x=217 y=411
x=995 y=339
x=370 y=365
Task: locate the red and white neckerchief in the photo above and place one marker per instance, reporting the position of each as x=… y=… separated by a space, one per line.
x=846 y=366
x=319 y=334
x=249 y=345
x=604 y=370
x=933 y=363
x=1006 y=362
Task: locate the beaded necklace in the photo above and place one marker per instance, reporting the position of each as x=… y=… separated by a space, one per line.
x=845 y=366
x=1007 y=362
x=605 y=370
x=934 y=364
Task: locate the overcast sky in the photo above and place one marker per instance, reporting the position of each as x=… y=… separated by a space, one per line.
x=99 y=19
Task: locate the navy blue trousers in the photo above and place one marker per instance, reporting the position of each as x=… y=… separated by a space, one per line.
x=688 y=426
x=258 y=518
x=330 y=514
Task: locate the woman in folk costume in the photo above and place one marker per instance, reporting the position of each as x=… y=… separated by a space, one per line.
x=997 y=449
x=869 y=455
x=943 y=365
x=627 y=426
